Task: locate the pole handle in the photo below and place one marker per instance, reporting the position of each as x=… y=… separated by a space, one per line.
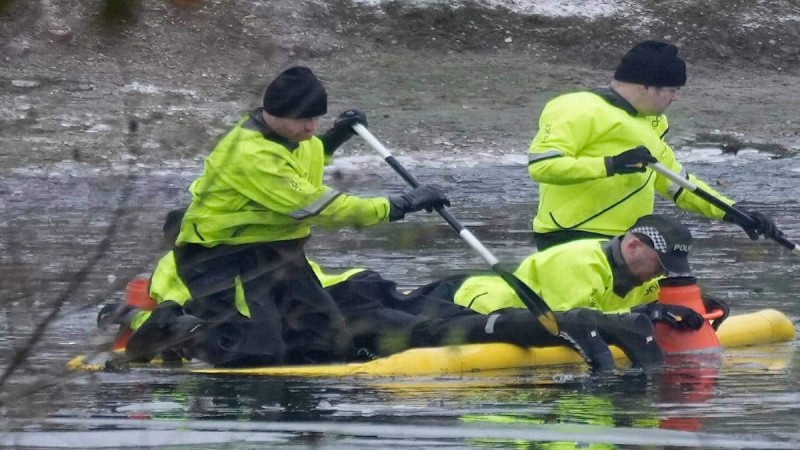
x=731 y=210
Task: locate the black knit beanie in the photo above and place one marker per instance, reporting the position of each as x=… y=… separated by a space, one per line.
x=652 y=63
x=296 y=94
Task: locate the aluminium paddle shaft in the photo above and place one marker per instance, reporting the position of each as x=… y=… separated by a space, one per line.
x=531 y=300
x=413 y=182
x=688 y=185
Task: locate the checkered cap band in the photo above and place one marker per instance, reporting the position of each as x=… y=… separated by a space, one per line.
x=659 y=243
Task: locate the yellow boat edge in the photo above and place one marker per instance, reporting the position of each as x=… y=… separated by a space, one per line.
x=768 y=326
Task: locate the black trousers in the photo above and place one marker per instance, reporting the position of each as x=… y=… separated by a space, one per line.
x=589 y=331
x=385 y=321
x=292 y=318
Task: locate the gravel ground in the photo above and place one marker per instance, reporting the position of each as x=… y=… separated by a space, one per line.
x=464 y=75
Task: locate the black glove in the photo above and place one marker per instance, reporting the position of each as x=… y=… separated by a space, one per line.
x=714 y=304
x=349 y=118
x=629 y=161
x=424 y=197
x=342 y=130
x=678 y=317
x=759 y=224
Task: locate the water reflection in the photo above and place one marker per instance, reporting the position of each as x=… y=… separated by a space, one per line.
x=687 y=381
x=556 y=407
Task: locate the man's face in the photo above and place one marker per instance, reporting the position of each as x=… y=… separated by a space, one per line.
x=656 y=100
x=294 y=129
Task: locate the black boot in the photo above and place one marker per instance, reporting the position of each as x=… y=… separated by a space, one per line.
x=120 y=314
x=579 y=331
x=634 y=334
x=168 y=330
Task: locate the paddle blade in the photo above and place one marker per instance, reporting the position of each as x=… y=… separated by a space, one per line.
x=532 y=301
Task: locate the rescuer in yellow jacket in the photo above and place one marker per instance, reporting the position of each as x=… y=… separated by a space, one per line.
x=614 y=277
x=240 y=249
x=591 y=151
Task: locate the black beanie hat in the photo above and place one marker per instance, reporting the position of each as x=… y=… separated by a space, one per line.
x=296 y=94
x=652 y=63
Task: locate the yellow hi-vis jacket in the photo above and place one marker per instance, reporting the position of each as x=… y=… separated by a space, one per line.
x=577 y=132
x=257 y=187
x=166 y=284
x=575 y=274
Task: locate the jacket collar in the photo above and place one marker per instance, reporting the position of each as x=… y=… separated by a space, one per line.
x=256 y=122
x=614 y=99
x=624 y=280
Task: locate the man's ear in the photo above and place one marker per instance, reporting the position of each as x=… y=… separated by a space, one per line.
x=633 y=245
x=630 y=241
x=636 y=242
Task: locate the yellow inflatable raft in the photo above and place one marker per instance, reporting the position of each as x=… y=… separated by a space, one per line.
x=767 y=326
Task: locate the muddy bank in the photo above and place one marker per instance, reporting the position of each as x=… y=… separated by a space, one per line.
x=432 y=77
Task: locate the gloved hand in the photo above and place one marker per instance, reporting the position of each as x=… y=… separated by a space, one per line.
x=629 y=161
x=423 y=197
x=759 y=224
x=342 y=130
x=714 y=304
x=678 y=317
x=347 y=119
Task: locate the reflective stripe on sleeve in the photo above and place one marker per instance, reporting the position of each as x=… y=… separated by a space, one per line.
x=538 y=157
x=675 y=189
x=316 y=207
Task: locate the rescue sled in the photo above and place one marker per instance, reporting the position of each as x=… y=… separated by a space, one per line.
x=767 y=326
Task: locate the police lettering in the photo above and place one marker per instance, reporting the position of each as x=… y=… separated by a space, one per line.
x=682 y=248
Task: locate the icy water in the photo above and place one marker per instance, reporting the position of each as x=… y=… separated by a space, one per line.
x=55 y=220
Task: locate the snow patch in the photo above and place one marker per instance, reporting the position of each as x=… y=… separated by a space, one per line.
x=714 y=155
x=547 y=8
x=143 y=88
x=24 y=83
